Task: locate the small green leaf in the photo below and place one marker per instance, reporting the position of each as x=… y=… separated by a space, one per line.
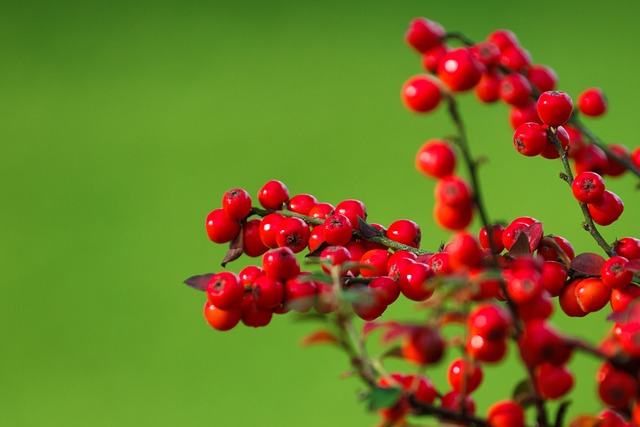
x=382 y=397
x=315 y=277
x=523 y=393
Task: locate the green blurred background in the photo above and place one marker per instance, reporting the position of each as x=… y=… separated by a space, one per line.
x=123 y=123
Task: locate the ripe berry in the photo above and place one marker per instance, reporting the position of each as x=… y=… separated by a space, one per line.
x=524 y=286
x=569 y=300
x=269 y=228
x=453 y=191
x=302 y=203
x=459 y=70
x=440 y=264
x=436 y=158
x=487 y=52
x=554 y=276
x=530 y=139
x=412 y=281
x=592 y=294
x=249 y=274
x=621 y=298
x=505 y=413
x=251 y=242
x=464 y=250
x=424 y=34
x=553 y=382
x=554 y=108
x=488 y=88
x=590 y=158
x=254 y=316
x=335 y=255
x=299 y=294
x=550 y=253
x=485 y=350
x=221 y=228
x=588 y=187
x=273 y=195
x=525 y=114
x=542 y=78
x=267 y=292
x=421 y=94
x=337 y=230
x=503 y=39
x=365 y=306
x=541 y=307
x=490 y=321
x=464 y=375
x=222 y=320
x=515 y=90
x=607 y=210
x=406 y=232
x=629 y=338
x=236 y=203
x=615 y=274
x=293 y=233
x=356 y=250
x=321 y=210
x=615 y=388
x=512 y=232
x=592 y=102
x=628 y=247
x=352 y=209
x=420 y=387
x=316 y=237
x=614 y=168
x=224 y=290
x=539 y=343
x=453 y=217
x=385 y=290
x=423 y=346
x=491 y=238
x=280 y=263
x=431 y=58
x=453 y=401
x=515 y=58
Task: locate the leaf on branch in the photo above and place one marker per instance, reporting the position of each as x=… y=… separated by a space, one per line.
x=369 y=327
x=395 y=332
x=633 y=265
x=587 y=263
x=360 y=265
x=317 y=251
x=585 y=421
x=321 y=336
x=520 y=246
x=235 y=249
x=367 y=230
x=534 y=233
x=199 y=282
x=453 y=317
x=383 y=397
x=392 y=352
x=523 y=393
x=315 y=277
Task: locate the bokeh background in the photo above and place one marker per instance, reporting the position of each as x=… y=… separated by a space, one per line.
x=123 y=123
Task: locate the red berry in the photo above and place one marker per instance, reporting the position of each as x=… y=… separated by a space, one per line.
x=615 y=274
x=490 y=321
x=487 y=52
x=385 y=290
x=273 y=195
x=551 y=151
x=542 y=78
x=302 y=203
x=224 y=290
x=569 y=300
x=300 y=294
x=453 y=217
x=553 y=382
x=424 y=34
x=515 y=58
x=251 y=242
x=459 y=70
x=616 y=388
x=485 y=350
x=365 y=304
x=293 y=233
x=453 y=191
x=316 y=237
x=326 y=299
x=525 y=114
x=280 y=263
x=554 y=108
x=505 y=413
x=540 y=307
x=464 y=250
x=254 y=316
x=221 y=228
x=488 y=88
x=420 y=387
x=376 y=259
x=503 y=39
x=530 y=139
x=491 y=238
x=515 y=90
x=554 y=276
x=550 y=252
x=621 y=298
x=413 y=281
x=431 y=58
x=222 y=320
x=607 y=210
x=321 y=210
x=464 y=375
x=512 y=232
x=406 y=232
x=267 y=292
x=337 y=230
x=629 y=338
x=614 y=168
x=335 y=255
x=249 y=274
x=539 y=343
x=356 y=251
x=421 y=94
x=588 y=187
x=628 y=247
x=436 y=158
x=524 y=286
x=423 y=346
x=590 y=158
x=352 y=209
x=269 y=229
x=453 y=401
x=236 y=203
x=592 y=102
x=440 y=264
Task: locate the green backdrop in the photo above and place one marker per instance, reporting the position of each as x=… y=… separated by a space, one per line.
x=123 y=123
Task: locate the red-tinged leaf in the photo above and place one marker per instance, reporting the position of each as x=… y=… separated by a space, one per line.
x=199 y=282
x=520 y=246
x=395 y=352
x=317 y=251
x=321 y=336
x=369 y=327
x=453 y=317
x=235 y=249
x=634 y=265
x=585 y=421
x=587 y=263
x=366 y=229
x=534 y=233
x=395 y=332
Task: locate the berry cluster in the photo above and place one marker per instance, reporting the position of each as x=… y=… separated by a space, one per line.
x=501 y=284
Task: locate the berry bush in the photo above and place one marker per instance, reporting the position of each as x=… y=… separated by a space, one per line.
x=487 y=293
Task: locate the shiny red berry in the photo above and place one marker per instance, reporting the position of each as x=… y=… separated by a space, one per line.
x=251 y=242
x=337 y=230
x=628 y=247
x=423 y=346
x=464 y=375
x=553 y=382
x=267 y=292
x=542 y=78
x=436 y=158
x=302 y=203
x=413 y=281
x=376 y=260
x=293 y=233
x=280 y=263
x=221 y=228
x=515 y=90
x=224 y=290
x=453 y=191
x=269 y=229
x=421 y=94
x=491 y=237
x=554 y=108
x=406 y=232
x=236 y=203
x=588 y=187
x=424 y=34
x=607 y=210
x=273 y=195
x=530 y=139
x=592 y=102
x=614 y=272
x=459 y=70
x=352 y=209
x=505 y=413
x=222 y=320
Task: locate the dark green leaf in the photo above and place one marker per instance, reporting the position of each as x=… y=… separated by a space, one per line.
x=382 y=397
x=523 y=393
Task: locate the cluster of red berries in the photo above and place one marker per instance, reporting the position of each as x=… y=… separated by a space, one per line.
x=504 y=278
